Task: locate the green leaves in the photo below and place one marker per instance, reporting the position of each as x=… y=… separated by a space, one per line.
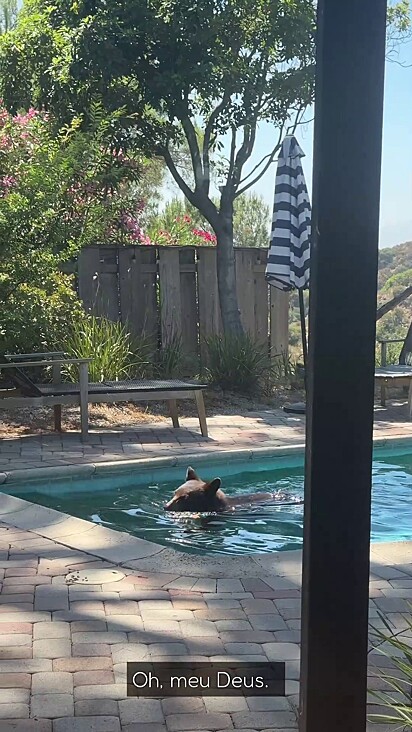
x=173 y=57
x=237 y=363
x=58 y=192
x=171 y=69
x=395 y=699
x=115 y=355
x=251 y=221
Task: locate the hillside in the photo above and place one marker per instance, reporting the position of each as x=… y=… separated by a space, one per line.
x=395 y=274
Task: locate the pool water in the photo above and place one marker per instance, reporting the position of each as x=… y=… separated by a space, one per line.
x=135 y=504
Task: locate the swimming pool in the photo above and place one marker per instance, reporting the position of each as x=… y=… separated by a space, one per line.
x=133 y=502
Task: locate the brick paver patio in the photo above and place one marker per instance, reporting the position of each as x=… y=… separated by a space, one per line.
x=254 y=430
x=64 y=645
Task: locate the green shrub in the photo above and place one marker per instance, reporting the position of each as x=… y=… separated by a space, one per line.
x=116 y=355
x=393 y=351
x=34 y=317
x=286 y=369
x=237 y=363
x=396 y=702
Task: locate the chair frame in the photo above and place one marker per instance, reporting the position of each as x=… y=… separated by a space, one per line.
x=11 y=398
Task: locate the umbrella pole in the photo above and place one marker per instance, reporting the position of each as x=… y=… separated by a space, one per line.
x=303 y=329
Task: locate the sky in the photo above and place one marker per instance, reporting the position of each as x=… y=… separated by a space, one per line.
x=396 y=178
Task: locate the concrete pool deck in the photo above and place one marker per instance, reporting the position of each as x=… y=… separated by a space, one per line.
x=64 y=643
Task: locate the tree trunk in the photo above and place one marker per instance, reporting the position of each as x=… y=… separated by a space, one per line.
x=407 y=346
x=226 y=274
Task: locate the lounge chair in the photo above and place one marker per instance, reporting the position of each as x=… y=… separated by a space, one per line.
x=23 y=392
x=397 y=375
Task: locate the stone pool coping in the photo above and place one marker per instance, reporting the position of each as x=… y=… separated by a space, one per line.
x=131 y=552
x=87 y=470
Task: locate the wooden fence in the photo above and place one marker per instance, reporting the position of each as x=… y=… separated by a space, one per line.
x=163 y=291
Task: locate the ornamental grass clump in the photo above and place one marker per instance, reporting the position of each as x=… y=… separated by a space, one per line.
x=396 y=698
x=236 y=363
x=115 y=354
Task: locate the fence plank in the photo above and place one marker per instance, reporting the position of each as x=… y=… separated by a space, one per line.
x=188 y=299
x=279 y=322
x=210 y=322
x=165 y=291
x=88 y=274
x=138 y=295
x=245 y=288
x=170 y=299
x=108 y=292
x=261 y=297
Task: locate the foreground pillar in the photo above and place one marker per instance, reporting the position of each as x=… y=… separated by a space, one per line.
x=346 y=189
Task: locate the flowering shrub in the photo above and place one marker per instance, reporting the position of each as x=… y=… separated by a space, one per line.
x=128 y=227
x=181 y=232
x=58 y=192
x=206 y=236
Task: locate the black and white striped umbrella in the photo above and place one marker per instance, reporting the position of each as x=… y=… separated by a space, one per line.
x=288 y=265
x=288 y=262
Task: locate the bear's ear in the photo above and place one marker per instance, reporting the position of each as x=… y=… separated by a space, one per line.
x=191 y=474
x=213 y=486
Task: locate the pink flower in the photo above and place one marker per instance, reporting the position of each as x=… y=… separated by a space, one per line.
x=7 y=182
x=5 y=142
x=24 y=119
x=205 y=235
x=133 y=228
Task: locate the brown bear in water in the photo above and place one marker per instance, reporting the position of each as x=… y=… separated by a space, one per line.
x=196 y=495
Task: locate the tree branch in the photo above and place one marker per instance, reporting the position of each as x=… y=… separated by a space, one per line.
x=270 y=158
x=207 y=139
x=197 y=198
x=243 y=154
x=165 y=153
x=393 y=303
x=194 y=150
x=232 y=153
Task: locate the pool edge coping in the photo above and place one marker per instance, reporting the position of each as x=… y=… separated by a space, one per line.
x=126 y=551
x=142 y=556
x=85 y=470
x=130 y=552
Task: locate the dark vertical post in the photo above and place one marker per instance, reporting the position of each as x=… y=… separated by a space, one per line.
x=346 y=187
x=303 y=331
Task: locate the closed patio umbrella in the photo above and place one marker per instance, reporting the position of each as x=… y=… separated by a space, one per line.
x=288 y=265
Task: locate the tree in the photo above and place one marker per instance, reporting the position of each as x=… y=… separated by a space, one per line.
x=180 y=224
x=187 y=72
x=8 y=15
x=251 y=221
x=200 y=82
